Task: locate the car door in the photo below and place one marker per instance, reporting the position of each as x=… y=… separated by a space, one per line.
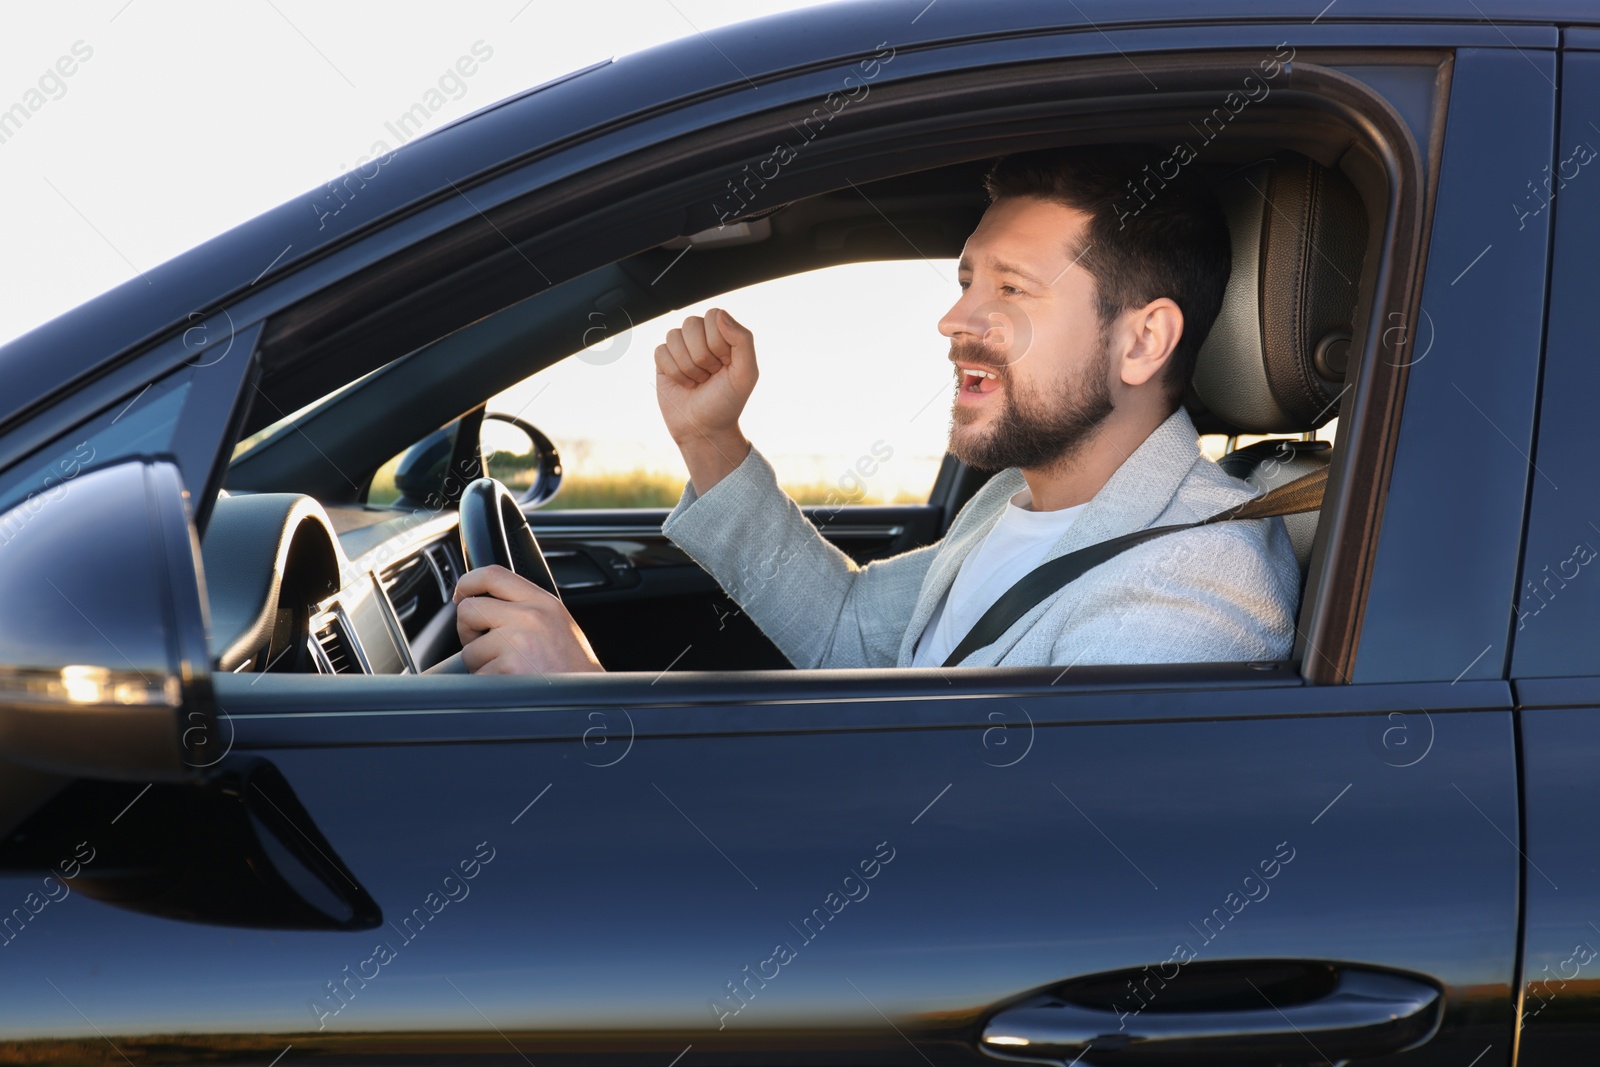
x=894 y=867
x=1557 y=607
x=644 y=603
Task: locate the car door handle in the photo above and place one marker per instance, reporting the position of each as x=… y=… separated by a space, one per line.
x=1324 y=1012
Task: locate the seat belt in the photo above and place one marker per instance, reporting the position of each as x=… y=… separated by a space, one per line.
x=1292 y=498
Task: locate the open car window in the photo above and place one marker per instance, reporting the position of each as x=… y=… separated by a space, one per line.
x=852 y=407
x=853 y=403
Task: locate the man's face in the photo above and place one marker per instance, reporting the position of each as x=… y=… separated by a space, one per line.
x=1033 y=367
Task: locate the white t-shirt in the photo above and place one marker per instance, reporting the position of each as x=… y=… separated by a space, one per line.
x=1014 y=546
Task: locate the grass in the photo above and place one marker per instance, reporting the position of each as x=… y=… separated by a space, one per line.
x=638 y=489
x=630 y=489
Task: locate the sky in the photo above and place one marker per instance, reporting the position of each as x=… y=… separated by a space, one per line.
x=181 y=120
x=873 y=384
x=154 y=125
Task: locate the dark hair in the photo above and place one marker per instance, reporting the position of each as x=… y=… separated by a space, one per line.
x=1154 y=230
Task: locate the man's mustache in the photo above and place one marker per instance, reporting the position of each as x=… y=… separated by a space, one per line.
x=976 y=354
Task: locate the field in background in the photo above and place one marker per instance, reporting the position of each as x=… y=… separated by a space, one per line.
x=634 y=489
x=643 y=488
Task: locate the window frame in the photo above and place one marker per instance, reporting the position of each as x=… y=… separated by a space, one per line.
x=523 y=220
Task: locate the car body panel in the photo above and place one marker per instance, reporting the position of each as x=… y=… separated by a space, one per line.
x=1561 y=946
x=636 y=873
x=1438 y=606
x=1555 y=608
x=1557 y=618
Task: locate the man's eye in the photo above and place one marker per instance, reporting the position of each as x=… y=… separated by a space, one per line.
x=1009 y=289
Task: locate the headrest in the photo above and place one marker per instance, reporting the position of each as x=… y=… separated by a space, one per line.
x=1276 y=357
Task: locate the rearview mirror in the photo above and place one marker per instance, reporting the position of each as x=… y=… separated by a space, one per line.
x=104 y=667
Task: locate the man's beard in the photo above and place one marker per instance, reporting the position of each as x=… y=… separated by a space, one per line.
x=1034 y=430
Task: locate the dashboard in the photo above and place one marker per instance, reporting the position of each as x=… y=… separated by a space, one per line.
x=295 y=587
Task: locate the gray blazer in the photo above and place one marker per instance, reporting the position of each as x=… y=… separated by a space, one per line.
x=1226 y=592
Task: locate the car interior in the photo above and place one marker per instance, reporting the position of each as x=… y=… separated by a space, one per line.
x=305 y=576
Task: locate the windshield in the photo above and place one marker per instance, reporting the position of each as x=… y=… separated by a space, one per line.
x=267 y=432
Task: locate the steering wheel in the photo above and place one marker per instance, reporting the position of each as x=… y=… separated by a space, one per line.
x=494 y=530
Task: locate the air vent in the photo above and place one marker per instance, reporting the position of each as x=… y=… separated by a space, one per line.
x=419 y=587
x=336 y=650
x=449 y=569
x=406 y=582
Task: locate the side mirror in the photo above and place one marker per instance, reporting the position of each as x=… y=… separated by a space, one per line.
x=532 y=451
x=422 y=469
x=104 y=667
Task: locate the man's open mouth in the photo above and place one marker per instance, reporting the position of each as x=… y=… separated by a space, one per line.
x=978 y=380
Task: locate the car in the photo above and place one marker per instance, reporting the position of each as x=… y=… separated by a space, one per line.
x=223 y=722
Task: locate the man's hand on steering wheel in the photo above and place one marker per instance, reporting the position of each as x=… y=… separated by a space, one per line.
x=508 y=625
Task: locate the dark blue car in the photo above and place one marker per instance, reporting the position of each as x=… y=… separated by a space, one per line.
x=297 y=847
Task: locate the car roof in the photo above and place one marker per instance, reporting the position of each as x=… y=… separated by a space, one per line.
x=161 y=299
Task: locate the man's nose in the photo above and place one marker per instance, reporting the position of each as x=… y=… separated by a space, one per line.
x=959 y=320
x=993 y=323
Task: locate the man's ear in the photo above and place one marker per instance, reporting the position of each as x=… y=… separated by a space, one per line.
x=1152 y=333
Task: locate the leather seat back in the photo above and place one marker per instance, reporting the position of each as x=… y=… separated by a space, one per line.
x=1276 y=358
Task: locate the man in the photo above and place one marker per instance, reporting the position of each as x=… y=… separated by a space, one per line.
x=1086 y=292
